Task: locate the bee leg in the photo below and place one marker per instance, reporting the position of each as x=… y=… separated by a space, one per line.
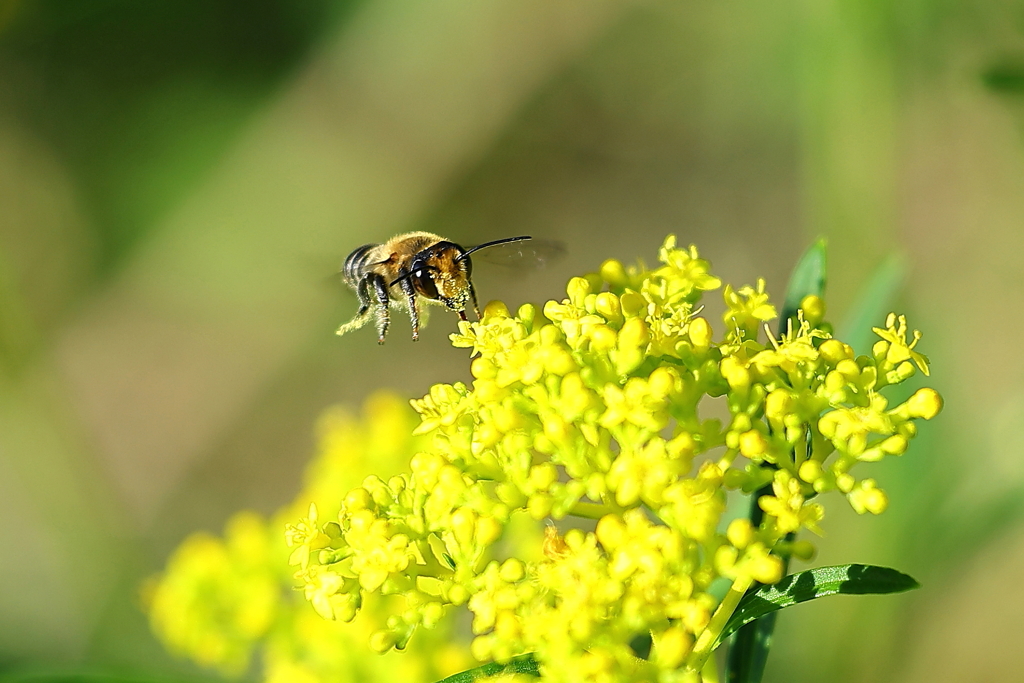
x=383 y=300
x=472 y=296
x=361 y=316
x=363 y=292
x=414 y=311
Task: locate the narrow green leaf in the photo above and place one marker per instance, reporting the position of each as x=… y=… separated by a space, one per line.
x=748 y=655
x=873 y=302
x=846 y=579
x=808 y=278
x=523 y=664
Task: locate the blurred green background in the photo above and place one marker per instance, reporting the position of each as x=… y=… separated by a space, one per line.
x=179 y=182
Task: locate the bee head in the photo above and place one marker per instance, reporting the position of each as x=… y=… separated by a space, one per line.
x=441 y=272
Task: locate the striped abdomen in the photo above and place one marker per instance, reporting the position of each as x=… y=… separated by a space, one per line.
x=355 y=265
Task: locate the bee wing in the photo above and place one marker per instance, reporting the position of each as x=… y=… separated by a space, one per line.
x=526 y=255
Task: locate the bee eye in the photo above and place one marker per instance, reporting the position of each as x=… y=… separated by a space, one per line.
x=424 y=283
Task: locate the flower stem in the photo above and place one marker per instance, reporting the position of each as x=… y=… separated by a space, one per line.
x=592 y=510
x=709 y=636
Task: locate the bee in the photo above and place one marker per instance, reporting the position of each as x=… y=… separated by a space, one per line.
x=409 y=268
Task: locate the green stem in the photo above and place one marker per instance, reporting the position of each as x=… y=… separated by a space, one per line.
x=709 y=674
x=709 y=636
x=593 y=510
x=749 y=651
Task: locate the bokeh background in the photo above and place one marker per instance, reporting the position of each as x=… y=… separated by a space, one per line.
x=180 y=180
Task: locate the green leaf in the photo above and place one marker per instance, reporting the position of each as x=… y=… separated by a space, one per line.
x=873 y=303
x=808 y=278
x=846 y=579
x=523 y=664
x=748 y=655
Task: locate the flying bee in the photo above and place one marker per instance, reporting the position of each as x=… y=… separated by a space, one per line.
x=406 y=269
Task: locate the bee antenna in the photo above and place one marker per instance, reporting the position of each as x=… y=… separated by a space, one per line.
x=495 y=243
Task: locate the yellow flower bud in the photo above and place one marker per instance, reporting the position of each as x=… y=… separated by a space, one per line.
x=895 y=445
x=867 y=497
x=725 y=559
x=481 y=648
x=550 y=335
x=607 y=304
x=543 y=476
x=512 y=570
x=556 y=429
x=602 y=338
x=766 y=569
x=558 y=362
x=357 y=499
x=835 y=381
x=925 y=403
x=741 y=423
x=662 y=382
x=777 y=405
x=848 y=368
x=632 y=304
x=463 y=525
x=483 y=368
x=597 y=486
x=613 y=273
x=681 y=446
x=671 y=648
x=488 y=391
x=740 y=533
x=494 y=310
x=611 y=532
x=510 y=495
x=488 y=530
x=901 y=373
x=457 y=595
x=634 y=334
x=696 y=617
x=577 y=289
x=734 y=373
x=486 y=435
x=527 y=313
x=627 y=493
x=432 y=614
x=810 y=471
x=382 y=641
x=753 y=444
x=539 y=505
x=628 y=359
x=700 y=333
x=814 y=309
x=834 y=351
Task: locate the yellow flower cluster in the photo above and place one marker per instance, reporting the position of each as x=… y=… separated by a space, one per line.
x=602 y=406
x=222 y=600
